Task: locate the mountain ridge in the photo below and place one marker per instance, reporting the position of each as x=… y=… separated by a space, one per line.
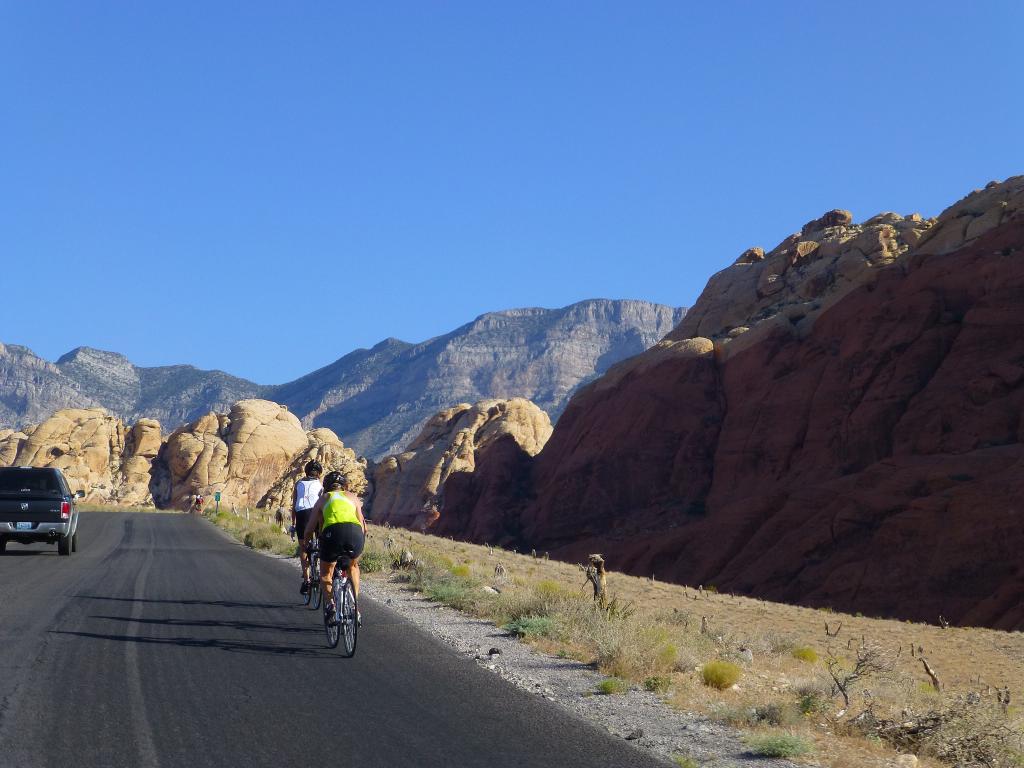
x=375 y=398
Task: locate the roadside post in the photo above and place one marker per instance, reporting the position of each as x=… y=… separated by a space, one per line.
x=216 y=502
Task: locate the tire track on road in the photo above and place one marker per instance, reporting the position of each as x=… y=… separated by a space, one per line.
x=142 y=729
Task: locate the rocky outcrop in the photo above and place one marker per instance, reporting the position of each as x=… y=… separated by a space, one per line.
x=859 y=445
x=802 y=275
x=378 y=399
x=252 y=455
x=241 y=454
x=141 y=446
x=324 y=446
x=406 y=487
x=94 y=450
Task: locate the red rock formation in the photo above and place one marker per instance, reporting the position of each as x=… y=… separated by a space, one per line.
x=868 y=457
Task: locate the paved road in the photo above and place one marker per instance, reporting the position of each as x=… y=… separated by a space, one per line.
x=161 y=643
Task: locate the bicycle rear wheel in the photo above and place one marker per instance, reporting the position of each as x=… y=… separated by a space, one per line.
x=315 y=592
x=333 y=628
x=348 y=618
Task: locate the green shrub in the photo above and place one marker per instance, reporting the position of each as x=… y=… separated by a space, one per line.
x=267 y=537
x=778 y=745
x=684 y=762
x=665 y=657
x=658 y=683
x=612 y=685
x=373 y=561
x=720 y=674
x=457 y=594
x=633 y=650
x=532 y=626
x=462 y=571
x=805 y=653
x=812 y=703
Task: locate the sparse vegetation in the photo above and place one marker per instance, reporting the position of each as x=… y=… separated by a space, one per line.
x=612 y=685
x=374 y=560
x=745 y=716
x=532 y=626
x=658 y=683
x=256 y=533
x=778 y=745
x=684 y=761
x=869 y=661
x=805 y=653
x=720 y=674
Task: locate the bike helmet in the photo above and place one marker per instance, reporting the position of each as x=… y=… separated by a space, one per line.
x=334 y=480
x=313 y=468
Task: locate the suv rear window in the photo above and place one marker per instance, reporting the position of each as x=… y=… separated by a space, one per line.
x=28 y=481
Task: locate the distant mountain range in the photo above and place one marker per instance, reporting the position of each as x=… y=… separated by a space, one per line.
x=375 y=399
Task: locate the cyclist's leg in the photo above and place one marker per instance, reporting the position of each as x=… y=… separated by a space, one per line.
x=301 y=518
x=327 y=580
x=353 y=575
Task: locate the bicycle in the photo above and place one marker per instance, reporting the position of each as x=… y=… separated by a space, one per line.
x=314 y=596
x=343 y=622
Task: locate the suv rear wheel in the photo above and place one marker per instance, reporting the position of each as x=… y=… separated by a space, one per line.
x=64 y=545
x=3 y=546
x=74 y=541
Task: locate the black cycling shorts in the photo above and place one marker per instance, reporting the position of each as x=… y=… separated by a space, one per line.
x=341 y=541
x=301 y=521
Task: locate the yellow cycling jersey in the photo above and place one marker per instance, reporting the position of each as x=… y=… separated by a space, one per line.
x=339 y=509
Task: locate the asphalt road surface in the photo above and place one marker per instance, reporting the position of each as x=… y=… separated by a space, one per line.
x=161 y=643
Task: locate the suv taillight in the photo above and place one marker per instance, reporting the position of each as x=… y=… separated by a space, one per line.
x=65 y=510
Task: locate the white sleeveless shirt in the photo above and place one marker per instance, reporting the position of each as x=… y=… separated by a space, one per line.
x=306 y=494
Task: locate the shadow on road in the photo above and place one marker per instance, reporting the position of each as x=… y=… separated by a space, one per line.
x=28 y=552
x=227 y=624
x=233 y=646
x=214 y=603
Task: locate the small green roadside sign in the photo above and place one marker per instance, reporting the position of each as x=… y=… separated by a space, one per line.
x=216 y=499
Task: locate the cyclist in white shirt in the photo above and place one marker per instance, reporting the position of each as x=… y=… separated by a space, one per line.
x=307 y=491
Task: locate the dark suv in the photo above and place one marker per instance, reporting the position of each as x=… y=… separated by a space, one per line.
x=36 y=505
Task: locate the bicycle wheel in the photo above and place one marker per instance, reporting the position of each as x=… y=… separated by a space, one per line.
x=315 y=592
x=333 y=628
x=308 y=597
x=348 y=618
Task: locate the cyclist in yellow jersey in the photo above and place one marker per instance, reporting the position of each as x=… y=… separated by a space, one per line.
x=340 y=513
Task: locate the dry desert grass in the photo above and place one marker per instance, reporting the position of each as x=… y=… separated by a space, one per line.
x=663 y=635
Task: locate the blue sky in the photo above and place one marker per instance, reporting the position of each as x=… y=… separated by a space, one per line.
x=263 y=187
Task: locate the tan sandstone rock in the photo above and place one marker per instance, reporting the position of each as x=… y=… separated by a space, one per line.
x=93 y=449
x=11 y=441
x=408 y=487
x=815 y=267
x=241 y=454
x=324 y=446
